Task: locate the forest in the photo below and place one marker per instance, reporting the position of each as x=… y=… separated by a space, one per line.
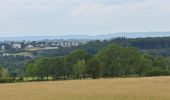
x=153 y=46
x=111 y=61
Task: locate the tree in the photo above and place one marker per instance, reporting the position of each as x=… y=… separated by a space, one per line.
x=56 y=67
x=72 y=59
x=13 y=75
x=79 y=68
x=5 y=76
x=43 y=69
x=110 y=58
x=130 y=59
x=118 y=61
x=143 y=65
x=31 y=69
x=94 y=68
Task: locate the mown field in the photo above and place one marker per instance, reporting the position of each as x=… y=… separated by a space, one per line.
x=150 y=88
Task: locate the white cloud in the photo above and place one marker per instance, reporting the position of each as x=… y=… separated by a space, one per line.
x=16 y=8
x=10 y=8
x=38 y=15
x=96 y=8
x=142 y=6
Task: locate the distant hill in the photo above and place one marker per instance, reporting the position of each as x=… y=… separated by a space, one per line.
x=92 y=37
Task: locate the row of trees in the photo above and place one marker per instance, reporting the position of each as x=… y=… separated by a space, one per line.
x=111 y=61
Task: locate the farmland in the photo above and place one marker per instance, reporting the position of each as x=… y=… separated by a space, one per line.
x=149 y=88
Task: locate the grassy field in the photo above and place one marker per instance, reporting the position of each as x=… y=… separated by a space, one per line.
x=151 y=88
x=21 y=54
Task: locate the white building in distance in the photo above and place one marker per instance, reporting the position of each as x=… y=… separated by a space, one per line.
x=16 y=46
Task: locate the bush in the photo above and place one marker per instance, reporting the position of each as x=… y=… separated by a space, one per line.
x=156 y=71
x=5 y=81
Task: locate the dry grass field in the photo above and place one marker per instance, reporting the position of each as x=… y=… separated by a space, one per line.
x=151 y=88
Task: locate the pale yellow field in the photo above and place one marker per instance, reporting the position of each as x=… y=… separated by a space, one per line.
x=152 y=88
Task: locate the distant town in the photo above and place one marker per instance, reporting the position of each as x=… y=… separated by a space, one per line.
x=28 y=45
x=7 y=47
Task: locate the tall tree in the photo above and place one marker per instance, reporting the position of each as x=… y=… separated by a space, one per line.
x=94 y=68
x=31 y=69
x=43 y=69
x=80 y=68
x=57 y=67
x=119 y=60
x=5 y=76
x=73 y=57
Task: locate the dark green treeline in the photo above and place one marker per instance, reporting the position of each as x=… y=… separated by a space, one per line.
x=111 y=61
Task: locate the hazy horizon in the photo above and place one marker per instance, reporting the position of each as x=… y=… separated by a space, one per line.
x=82 y=34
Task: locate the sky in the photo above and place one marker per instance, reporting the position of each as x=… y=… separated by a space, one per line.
x=72 y=17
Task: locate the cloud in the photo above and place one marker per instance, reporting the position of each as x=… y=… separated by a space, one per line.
x=95 y=8
x=14 y=8
x=130 y=6
x=24 y=16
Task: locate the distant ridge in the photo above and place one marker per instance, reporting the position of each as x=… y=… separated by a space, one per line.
x=91 y=37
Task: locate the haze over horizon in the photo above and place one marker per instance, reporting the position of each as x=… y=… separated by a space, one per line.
x=75 y=17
